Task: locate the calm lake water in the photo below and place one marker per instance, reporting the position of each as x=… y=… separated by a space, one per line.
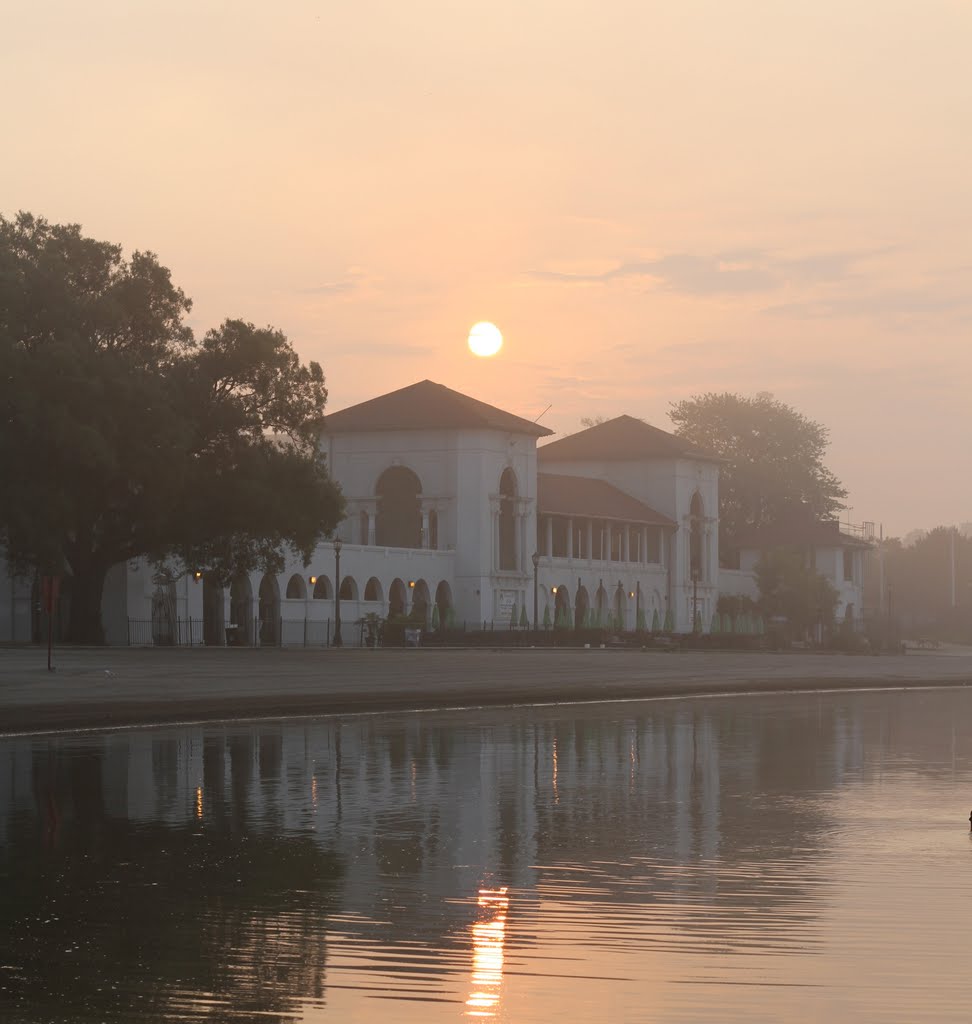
x=797 y=857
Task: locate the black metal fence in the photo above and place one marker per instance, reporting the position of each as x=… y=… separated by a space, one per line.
x=165 y=633
x=356 y=633
x=258 y=633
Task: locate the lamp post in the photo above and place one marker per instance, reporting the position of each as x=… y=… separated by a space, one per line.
x=338 y=642
x=536 y=566
x=695 y=598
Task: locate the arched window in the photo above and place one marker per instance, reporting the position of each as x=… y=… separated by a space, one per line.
x=296 y=591
x=349 y=589
x=323 y=591
x=373 y=590
x=507 y=520
x=696 y=519
x=582 y=604
x=399 y=520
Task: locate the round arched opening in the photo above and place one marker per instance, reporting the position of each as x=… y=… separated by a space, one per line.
x=269 y=611
x=421 y=602
x=372 y=590
x=443 y=605
x=396 y=599
x=241 y=609
x=296 y=588
x=398 y=522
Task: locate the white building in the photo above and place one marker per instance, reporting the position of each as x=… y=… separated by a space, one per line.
x=835 y=555
x=448 y=499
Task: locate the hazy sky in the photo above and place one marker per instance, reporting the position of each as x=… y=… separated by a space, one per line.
x=650 y=199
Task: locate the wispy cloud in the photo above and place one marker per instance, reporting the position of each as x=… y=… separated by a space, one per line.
x=893 y=303
x=353 y=280
x=733 y=271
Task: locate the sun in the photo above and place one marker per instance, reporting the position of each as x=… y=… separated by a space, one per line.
x=485 y=339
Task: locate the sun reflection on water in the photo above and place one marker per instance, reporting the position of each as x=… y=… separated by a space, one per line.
x=488 y=937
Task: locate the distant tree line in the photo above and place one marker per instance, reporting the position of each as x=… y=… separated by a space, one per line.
x=927 y=584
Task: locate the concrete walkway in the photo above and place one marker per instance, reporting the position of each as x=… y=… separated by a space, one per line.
x=107 y=687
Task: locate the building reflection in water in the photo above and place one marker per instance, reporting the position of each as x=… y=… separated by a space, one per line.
x=488 y=937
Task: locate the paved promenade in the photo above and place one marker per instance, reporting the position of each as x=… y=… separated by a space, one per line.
x=105 y=687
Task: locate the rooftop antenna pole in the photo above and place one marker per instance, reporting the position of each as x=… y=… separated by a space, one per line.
x=545 y=411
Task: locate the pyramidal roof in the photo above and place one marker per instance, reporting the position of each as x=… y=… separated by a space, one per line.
x=623 y=439
x=427 y=406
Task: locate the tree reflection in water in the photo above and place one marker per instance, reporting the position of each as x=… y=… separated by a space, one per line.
x=113 y=919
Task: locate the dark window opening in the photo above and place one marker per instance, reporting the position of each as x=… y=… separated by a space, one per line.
x=507 y=520
x=399 y=520
x=695 y=536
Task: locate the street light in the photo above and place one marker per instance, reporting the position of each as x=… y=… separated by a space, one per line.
x=338 y=642
x=536 y=566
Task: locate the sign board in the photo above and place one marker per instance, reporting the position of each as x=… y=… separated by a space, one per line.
x=507 y=602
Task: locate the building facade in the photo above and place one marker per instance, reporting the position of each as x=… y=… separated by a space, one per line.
x=448 y=501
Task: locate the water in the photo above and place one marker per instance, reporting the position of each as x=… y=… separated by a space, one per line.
x=801 y=857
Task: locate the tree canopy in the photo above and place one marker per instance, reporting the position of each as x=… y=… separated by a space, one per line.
x=123 y=436
x=789 y=589
x=773 y=470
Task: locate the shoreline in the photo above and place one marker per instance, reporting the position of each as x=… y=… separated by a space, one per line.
x=115 y=688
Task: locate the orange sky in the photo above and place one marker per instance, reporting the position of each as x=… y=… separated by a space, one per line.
x=651 y=200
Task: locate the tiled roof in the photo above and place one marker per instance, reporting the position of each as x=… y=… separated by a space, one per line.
x=427 y=406
x=623 y=439
x=583 y=497
x=814 y=533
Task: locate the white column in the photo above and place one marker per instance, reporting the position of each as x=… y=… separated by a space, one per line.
x=570 y=538
x=644 y=545
x=425 y=526
x=590 y=539
x=494 y=530
x=517 y=537
x=548 y=540
x=609 y=542
x=626 y=549
x=371 y=527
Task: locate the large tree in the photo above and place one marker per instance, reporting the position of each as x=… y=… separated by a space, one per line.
x=121 y=436
x=773 y=470
x=790 y=589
